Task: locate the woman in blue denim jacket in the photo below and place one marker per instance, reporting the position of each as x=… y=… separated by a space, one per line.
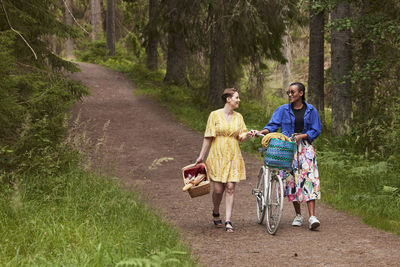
x=301 y=119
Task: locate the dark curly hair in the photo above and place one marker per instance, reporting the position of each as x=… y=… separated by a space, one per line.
x=300 y=87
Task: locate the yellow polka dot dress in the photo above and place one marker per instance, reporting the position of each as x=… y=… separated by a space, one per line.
x=225 y=162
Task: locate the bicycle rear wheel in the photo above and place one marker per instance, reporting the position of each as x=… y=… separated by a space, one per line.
x=260 y=193
x=274 y=203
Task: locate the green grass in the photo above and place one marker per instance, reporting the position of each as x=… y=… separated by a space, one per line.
x=366 y=187
x=83 y=220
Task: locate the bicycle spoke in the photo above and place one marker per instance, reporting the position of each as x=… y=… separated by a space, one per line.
x=274 y=203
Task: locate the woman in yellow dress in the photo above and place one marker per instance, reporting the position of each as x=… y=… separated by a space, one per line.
x=225 y=165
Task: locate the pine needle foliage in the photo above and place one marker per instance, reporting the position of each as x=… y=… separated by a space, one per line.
x=35 y=20
x=34 y=93
x=52 y=212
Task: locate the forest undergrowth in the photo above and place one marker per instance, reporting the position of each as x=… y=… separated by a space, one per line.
x=54 y=210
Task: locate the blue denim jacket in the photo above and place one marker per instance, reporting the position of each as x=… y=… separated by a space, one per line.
x=282 y=119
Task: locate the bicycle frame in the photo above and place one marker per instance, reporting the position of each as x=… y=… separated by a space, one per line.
x=269 y=192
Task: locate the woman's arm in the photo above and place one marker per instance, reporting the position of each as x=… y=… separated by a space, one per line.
x=247 y=135
x=275 y=122
x=204 y=149
x=315 y=128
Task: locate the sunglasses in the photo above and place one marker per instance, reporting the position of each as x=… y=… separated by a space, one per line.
x=290 y=92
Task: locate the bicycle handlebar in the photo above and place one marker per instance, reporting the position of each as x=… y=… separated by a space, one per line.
x=291 y=137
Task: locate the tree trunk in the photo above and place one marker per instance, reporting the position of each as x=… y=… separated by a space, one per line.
x=217 y=54
x=152 y=38
x=256 y=79
x=177 y=50
x=96 y=18
x=286 y=67
x=341 y=67
x=69 y=44
x=111 y=27
x=365 y=89
x=316 y=61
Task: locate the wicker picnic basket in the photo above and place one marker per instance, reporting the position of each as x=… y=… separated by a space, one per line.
x=191 y=171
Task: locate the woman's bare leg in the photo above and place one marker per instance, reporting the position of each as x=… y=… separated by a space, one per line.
x=217 y=195
x=297 y=208
x=311 y=207
x=229 y=192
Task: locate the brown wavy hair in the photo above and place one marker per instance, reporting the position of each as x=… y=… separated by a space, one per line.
x=228 y=92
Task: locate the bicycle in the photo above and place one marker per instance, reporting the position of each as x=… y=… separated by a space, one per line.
x=269 y=193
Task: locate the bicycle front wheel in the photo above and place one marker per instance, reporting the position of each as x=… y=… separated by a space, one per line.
x=260 y=193
x=274 y=203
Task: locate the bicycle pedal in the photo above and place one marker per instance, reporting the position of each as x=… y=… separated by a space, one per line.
x=256 y=191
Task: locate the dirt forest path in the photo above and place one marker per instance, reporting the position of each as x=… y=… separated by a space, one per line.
x=140 y=132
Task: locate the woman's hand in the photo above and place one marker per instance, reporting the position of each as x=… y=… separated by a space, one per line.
x=252 y=133
x=244 y=136
x=258 y=133
x=299 y=137
x=263 y=132
x=199 y=160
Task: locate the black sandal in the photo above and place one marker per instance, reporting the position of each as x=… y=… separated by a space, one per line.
x=228 y=227
x=217 y=223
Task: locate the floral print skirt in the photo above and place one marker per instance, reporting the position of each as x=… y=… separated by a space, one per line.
x=302 y=183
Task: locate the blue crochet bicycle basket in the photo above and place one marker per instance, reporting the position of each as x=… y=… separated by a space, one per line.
x=279 y=154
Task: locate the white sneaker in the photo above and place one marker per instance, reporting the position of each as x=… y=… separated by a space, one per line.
x=313 y=223
x=298 y=220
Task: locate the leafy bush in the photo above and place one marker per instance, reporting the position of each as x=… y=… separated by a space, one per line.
x=376 y=139
x=96 y=51
x=92 y=51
